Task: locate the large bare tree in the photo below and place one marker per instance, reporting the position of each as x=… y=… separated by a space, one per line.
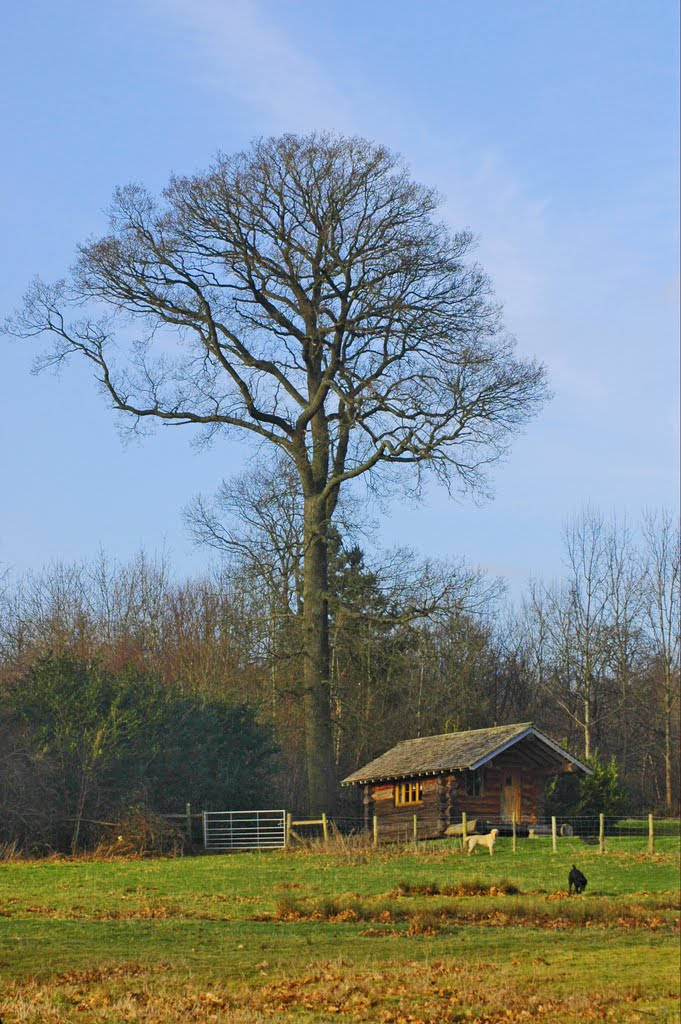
x=303 y=291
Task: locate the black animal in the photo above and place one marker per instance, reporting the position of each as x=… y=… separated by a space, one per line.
x=577 y=879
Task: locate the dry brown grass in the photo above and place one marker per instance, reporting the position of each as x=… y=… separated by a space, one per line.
x=442 y=992
x=466 y=887
x=554 y=912
x=355 y=848
x=10 y=852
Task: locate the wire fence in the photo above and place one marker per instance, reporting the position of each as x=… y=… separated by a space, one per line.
x=634 y=833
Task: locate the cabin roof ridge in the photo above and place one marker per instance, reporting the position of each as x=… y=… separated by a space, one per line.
x=457 y=751
x=467 y=732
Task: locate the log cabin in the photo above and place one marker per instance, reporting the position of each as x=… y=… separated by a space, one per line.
x=493 y=775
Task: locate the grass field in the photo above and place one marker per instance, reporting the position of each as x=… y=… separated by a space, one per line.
x=392 y=936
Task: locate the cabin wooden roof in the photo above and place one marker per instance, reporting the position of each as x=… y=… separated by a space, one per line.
x=461 y=751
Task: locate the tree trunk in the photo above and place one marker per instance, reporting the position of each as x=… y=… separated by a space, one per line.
x=668 y=750
x=82 y=796
x=321 y=778
x=587 y=722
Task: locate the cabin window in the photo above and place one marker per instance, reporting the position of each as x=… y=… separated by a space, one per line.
x=408 y=793
x=475 y=782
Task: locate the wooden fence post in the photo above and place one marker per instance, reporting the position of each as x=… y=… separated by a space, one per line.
x=515 y=835
x=287 y=833
x=651 y=834
x=416 y=828
x=325 y=829
x=554 y=834
x=601 y=833
x=375 y=830
x=464 y=829
x=188 y=820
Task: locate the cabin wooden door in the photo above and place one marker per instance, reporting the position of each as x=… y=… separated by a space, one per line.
x=511 y=796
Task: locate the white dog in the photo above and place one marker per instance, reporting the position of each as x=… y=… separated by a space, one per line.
x=489 y=840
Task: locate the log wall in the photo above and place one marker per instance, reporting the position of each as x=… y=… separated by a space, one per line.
x=398 y=822
x=445 y=797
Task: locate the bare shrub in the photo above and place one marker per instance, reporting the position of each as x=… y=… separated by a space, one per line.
x=140 y=832
x=10 y=851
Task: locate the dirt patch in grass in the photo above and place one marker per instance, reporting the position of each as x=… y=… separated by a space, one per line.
x=142 y=912
x=467 y=887
x=146 y=912
x=97 y=975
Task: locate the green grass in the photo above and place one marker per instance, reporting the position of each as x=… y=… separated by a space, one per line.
x=423 y=935
x=662 y=826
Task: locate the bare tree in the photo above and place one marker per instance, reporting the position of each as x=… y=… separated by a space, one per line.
x=257 y=517
x=570 y=621
x=624 y=637
x=305 y=293
x=662 y=559
x=391 y=619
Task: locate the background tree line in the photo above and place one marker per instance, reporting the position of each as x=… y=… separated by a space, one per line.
x=120 y=683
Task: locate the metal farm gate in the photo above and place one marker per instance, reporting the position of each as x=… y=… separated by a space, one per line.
x=244 y=830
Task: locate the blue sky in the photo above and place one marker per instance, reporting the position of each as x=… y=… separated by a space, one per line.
x=552 y=129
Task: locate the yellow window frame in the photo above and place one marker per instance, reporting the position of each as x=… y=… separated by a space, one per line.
x=407 y=793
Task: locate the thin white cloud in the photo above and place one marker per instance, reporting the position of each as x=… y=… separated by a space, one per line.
x=237 y=49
